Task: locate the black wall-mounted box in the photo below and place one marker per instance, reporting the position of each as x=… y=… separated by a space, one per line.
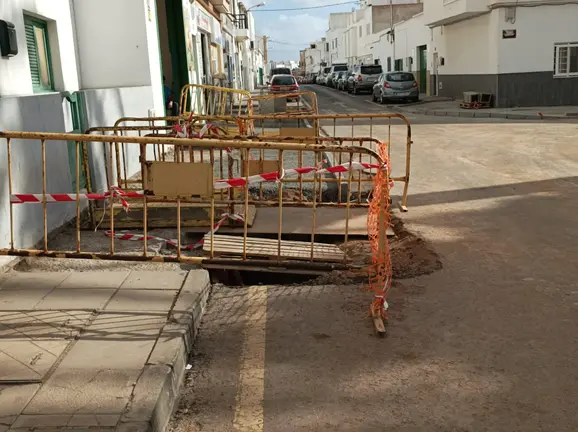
x=8 y=42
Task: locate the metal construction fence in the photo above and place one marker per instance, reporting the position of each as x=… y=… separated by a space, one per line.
x=228 y=185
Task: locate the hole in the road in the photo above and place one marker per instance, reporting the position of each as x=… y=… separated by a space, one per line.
x=411 y=256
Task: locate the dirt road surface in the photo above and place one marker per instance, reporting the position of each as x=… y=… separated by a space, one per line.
x=486 y=343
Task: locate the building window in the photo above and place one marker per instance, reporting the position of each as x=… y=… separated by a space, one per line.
x=360 y=31
x=566 y=60
x=38 y=54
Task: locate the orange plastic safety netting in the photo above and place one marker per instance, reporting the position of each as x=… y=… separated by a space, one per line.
x=378 y=221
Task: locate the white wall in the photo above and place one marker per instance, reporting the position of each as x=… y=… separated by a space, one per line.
x=15 y=72
x=538 y=29
x=113 y=43
x=364 y=42
x=409 y=35
x=44 y=113
x=105 y=107
x=468 y=47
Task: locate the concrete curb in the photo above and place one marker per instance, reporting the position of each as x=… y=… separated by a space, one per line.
x=483 y=114
x=157 y=389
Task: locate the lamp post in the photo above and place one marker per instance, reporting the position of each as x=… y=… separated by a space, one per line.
x=256 y=6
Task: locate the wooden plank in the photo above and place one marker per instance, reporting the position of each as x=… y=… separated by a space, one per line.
x=259 y=247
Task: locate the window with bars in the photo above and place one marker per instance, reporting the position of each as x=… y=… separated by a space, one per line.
x=566 y=60
x=38 y=54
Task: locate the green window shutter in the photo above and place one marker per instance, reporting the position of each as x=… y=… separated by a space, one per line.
x=32 y=53
x=38 y=54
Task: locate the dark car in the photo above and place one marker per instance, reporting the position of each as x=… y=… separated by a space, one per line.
x=396 y=85
x=363 y=78
x=279 y=71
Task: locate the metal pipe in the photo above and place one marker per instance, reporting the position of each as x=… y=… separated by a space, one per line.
x=45 y=217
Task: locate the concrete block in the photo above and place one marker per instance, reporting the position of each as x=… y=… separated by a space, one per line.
x=124 y=326
x=154 y=280
x=13 y=400
x=521 y=117
x=266 y=106
x=499 y=115
x=23 y=299
x=134 y=427
x=91 y=420
x=95 y=280
x=62 y=299
x=25 y=360
x=131 y=352
x=142 y=300
x=90 y=390
x=482 y=114
x=42 y=421
x=468 y=114
x=176 y=340
x=154 y=397
x=37 y=281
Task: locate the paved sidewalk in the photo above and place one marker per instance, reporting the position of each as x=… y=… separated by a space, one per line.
x=452 y=109
x=98 y=350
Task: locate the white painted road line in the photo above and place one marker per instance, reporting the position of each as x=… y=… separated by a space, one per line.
x=249 y=412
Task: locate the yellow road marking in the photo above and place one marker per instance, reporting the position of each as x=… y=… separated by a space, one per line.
x=251 y=391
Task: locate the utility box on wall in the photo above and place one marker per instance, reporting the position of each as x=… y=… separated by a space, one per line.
x=8 y=42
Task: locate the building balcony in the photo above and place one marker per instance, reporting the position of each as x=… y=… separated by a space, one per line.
x=223 y=6
x=241 y=28
x=444 y=12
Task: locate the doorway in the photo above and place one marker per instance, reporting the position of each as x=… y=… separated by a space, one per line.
x=205 y=59
x=422 y=67
x=172 y=44
x=435 y=75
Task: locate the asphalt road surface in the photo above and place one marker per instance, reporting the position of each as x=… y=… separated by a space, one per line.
x=486 y=343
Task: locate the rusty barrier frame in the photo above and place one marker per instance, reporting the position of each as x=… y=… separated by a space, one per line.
x=320 y=134
x=216 y=100
x=278 y=263
x=312 y=108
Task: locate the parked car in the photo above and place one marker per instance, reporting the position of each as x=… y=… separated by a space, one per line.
x=284 y=84
x=334 y=71
x=331 y=79
x=396 y=85
x=363 y=78
x=341 y=80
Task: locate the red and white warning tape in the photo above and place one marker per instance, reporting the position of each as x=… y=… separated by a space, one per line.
x=54 y=198
x=219 y=184
x=275 y=176
x=122 y=235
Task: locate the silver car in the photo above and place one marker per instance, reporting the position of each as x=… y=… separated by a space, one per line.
x=396 y=86
x=363 y=78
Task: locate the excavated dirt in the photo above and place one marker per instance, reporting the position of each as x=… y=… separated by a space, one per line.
x=411 y=256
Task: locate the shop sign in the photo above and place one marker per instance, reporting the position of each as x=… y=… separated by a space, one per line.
x=216 y=32
x=204 y=20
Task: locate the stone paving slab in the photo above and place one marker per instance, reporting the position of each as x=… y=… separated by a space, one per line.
x=114 y=347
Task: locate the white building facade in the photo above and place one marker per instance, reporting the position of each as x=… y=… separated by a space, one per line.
x=525 y=53
x=86 y=63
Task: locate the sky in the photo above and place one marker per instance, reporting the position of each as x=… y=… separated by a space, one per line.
x=291 y=31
